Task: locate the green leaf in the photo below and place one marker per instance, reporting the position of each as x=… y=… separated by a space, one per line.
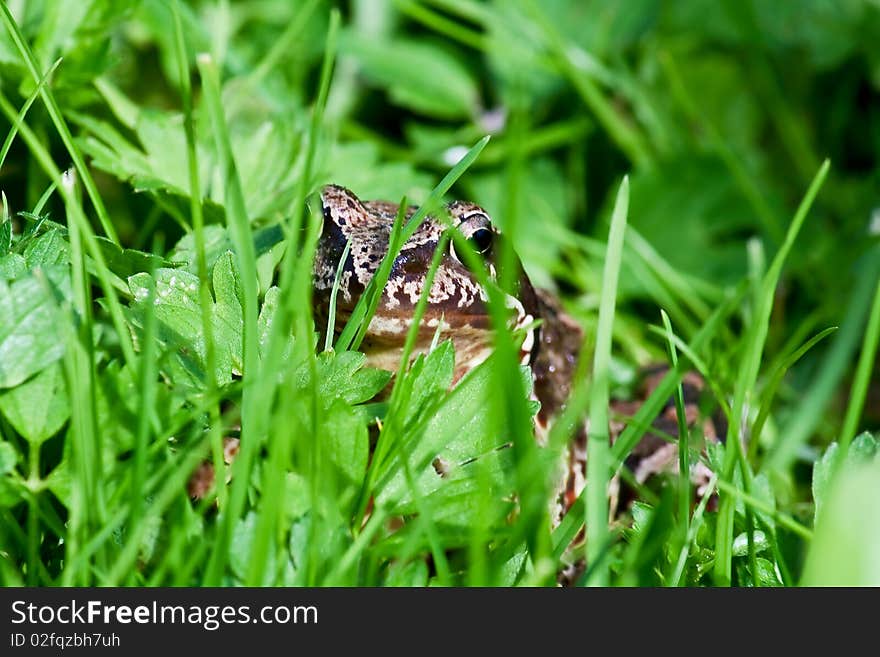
x=217 y=242
x=711 y=215
x=241 y=546
x=843 y=551
x=50 y=248
x=8 y=457
x=228 y=325
x=421 y=76
x=5 y=236
x=765 y=576
x=179 y=318
x=267 y=315
x=408 y=573
x=12 y=266
x=342 y=375
x=863 y=449
x=452 y=447
x=39 y=407
x=359 y=166
x=31 y=337
x=347 y=441
x=741 y=543
x=265 y=146
x=126 y=262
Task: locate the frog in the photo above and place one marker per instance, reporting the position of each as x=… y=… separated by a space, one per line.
x=457 y=308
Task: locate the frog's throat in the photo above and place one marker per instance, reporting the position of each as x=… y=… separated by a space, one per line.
x=471 y=337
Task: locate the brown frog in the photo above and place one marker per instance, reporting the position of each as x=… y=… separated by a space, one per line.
x=457 y=304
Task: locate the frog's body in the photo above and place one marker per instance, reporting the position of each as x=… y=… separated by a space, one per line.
x=457 y=304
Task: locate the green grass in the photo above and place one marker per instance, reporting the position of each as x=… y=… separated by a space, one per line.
x=159 y=221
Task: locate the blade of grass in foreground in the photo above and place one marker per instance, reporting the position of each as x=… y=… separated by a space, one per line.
x=267 y=405
x=565 y=533
x=239 y=230
x=599 y=444
x=684 y=482
x=863 y=377
x=7 y=144
x=811 y=408
x=198 y=227
x=775 y=380
x=60 y=124
x=745 y=385
x=75 y=212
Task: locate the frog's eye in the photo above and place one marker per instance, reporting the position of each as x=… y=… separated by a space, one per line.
x=481 y=240
x=476 y=229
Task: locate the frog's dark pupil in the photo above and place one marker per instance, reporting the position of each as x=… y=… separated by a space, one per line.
x=481 y=239
x=327 y=213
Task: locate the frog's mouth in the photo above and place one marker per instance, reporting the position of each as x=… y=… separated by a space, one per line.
x=470 y=331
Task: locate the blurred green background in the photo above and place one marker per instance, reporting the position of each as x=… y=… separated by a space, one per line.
x=720 y=111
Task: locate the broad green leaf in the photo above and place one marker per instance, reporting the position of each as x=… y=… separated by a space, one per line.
x=711 y=219
x=8 y=457
x=39 y=407
x=228 y=325
x=359 y=166
x=242 y=545
x=50 y=248
x=267 y=315
x=409 y=573
x=31 y=334
x=265 y=147
x=343 y=376
x=126 y=262
x=179 y=320
x=843 y=551
x=217 y=243
x=179 y=316
x=741 y=543
x=12 y=266
x=347 y=441
x=453 y=450
x=421 y=76
x=766 y=575
x=863 y=449
x=427 y=381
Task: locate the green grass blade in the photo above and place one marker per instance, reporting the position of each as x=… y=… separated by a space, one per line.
x=756 y=338
x=331 y=311
x=684 y=483
x=773 y=385
x=598 y=445
x=859 y=390
x=75 y=213
x=60 y=124
x=240 y=232
x=7 y=144
x=815 y=400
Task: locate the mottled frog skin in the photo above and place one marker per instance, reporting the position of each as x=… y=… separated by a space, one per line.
x=458 y=305
x=456 y=299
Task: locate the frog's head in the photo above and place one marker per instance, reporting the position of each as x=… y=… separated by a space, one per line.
x=457 y=303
